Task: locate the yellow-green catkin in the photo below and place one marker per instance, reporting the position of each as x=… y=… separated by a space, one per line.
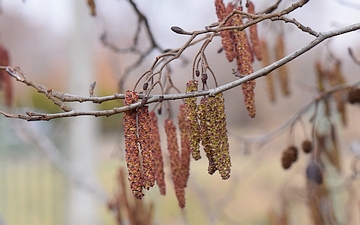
x=192 y=120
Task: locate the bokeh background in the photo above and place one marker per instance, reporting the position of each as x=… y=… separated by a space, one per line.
x=64 y=171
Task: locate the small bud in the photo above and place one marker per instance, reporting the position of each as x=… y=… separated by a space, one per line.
x=197 y=73
x=159 y=111
x=177 y=30
x=145 y=86
x=161 y=98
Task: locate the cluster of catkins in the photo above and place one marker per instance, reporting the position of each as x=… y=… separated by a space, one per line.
x=206 y=124
x=238 y=47
x=143 y=150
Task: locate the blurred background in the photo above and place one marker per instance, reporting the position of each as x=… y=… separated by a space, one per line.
x=64 y=171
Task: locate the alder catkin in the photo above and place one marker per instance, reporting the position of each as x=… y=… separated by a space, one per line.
x=131 y=146
x=269 y=78
x=218 y=137
x=185 y=145
x=254 y=38
x=282 y=70
x=175 y=162
x=144 y=138
x=226 y=40
x=206 y=118
x=192 y=120
x=159 y=164
x=244 y=64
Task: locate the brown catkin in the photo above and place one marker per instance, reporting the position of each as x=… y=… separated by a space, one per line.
x=192 y=120
x=5 y=80
x=226 y=35
x=175 y=162
x=159 y=164
x=206 y=118
x=144 y=138
x=185 y=145
x=269 y=78
x=218 y=135
x=244 y=64
x=254 y=38
x=131 y=146
x=282 y=70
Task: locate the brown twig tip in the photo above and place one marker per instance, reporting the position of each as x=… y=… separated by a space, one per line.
x=92 y=6
x=91 y=89
x=175 y=162
x=159 y=164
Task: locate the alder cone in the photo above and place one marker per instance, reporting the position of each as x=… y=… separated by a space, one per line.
x=175 y=162
x=144 y=138
x=354 y=95
x=307 y=146
x=131 y=146
x=156 y=144
x=185 y=145
x=289 y=156
x=192 y=120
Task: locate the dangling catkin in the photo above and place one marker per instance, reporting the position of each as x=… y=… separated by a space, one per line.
x=269 y=77
x=282 y=70
x=175 y=162
x=144 y=138
x=185 y=145
x=159 y=164
x=254 y=38
x=226 y=35
x=131 y=146
x=244 y=64
x=192 y=120
x=218 y=136
x=206 y=117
